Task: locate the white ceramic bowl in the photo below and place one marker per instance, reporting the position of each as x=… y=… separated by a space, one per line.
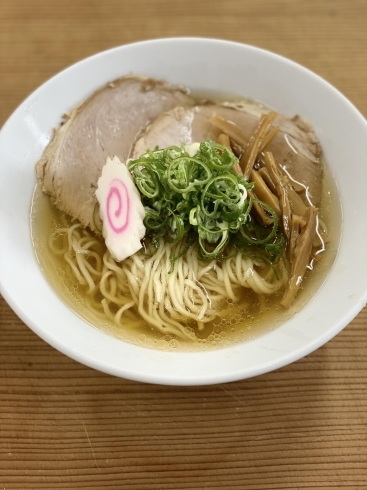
x=201 y=64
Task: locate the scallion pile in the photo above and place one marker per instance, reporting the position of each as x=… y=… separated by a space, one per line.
x=202 y=197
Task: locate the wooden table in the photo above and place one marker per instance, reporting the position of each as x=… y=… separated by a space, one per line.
x=65 y=426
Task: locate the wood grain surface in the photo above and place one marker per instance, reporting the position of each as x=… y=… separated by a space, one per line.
x=66 y=426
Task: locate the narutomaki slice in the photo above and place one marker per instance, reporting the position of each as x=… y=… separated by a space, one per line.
x=121 y=210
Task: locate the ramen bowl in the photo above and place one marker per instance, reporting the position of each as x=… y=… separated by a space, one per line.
x=204 y=65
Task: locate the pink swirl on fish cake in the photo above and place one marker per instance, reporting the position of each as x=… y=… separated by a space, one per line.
x=118 y=206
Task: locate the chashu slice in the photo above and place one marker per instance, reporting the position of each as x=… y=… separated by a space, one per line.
x=295 y=147
x=106 y=124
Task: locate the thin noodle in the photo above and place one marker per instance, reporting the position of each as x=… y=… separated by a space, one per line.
x=151 y=290
x=74 y=268
x=81 y=263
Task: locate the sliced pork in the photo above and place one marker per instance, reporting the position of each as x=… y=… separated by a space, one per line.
x=295 y=147
x=106 y=124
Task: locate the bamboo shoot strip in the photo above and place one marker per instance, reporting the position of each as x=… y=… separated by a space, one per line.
x=302 y=254
x=264 y=193
x=224 y=140
x=231 y=129
x=256 y=141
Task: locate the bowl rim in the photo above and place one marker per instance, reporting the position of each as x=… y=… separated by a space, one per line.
x=184 y=379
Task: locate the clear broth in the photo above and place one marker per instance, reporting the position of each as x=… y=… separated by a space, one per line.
x=252 y=316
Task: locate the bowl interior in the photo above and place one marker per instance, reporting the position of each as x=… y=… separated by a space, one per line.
x=202 y=65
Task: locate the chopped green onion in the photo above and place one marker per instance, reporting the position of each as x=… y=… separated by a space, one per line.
x=203 y=197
